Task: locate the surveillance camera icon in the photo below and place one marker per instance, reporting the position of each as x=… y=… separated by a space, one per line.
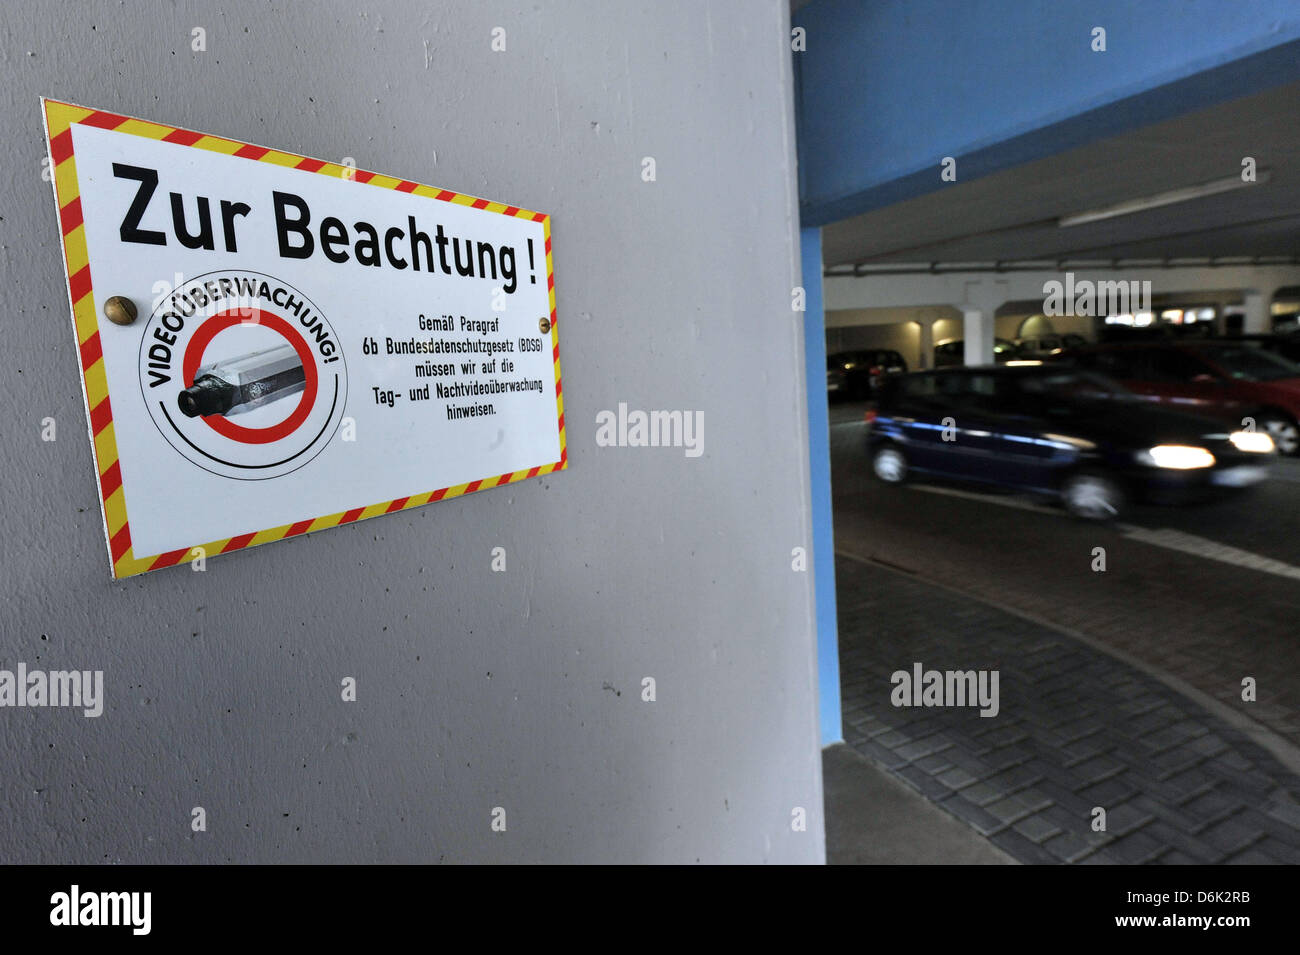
x=235 y=386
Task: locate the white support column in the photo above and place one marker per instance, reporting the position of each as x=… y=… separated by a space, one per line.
x=1257 y=319
x=981 y=304
x=977 y=330
x=926 y=343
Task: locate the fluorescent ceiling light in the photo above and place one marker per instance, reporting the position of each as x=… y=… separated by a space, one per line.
x=1169 y=198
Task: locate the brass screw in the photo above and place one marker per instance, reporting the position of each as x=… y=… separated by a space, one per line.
x=544 y=324
x=120 y=310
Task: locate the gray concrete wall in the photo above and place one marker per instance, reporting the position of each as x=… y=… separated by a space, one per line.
x=476 y=690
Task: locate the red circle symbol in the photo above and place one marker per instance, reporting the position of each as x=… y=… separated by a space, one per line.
x=221 y=424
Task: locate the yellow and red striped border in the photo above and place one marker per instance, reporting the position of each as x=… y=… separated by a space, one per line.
x=59 y=120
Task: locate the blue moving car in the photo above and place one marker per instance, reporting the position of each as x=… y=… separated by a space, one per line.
x=1073 y=435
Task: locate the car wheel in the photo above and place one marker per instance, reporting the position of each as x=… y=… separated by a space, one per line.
x=1284 y=432
x=1093 y=497
x=889 y=464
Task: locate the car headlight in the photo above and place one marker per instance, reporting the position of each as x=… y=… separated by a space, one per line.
x=1179 y=457
x=1257 y=442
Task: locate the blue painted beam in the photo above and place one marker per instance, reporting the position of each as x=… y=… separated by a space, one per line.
x=886 y=90
x=819 y=447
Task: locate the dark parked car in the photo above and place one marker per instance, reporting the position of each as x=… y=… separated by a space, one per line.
x=1287 y=346
x=1156 y=332
x=1220 y=378
x=953 y=352
x=857 y=374
x=1072 y=435
x=1047 y=345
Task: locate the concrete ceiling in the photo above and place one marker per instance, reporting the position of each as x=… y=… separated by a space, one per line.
x=1012 y=215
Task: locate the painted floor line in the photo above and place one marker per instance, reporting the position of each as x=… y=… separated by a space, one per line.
x=1164 y=537
x=1018 y=503
x=1209 y=550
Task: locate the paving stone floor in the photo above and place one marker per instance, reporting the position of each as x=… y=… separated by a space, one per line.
x=1076 y=729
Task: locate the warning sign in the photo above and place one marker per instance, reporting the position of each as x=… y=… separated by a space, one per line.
x=272 y=345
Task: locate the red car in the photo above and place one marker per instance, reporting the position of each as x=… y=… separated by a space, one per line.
x=1221 y=379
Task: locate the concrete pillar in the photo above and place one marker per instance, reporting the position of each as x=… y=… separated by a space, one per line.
x=1256 y=316
x=977 y=330
x=926 y=343
x=981 y=304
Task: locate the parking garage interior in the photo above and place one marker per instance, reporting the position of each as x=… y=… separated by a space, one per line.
x=1180 y=181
